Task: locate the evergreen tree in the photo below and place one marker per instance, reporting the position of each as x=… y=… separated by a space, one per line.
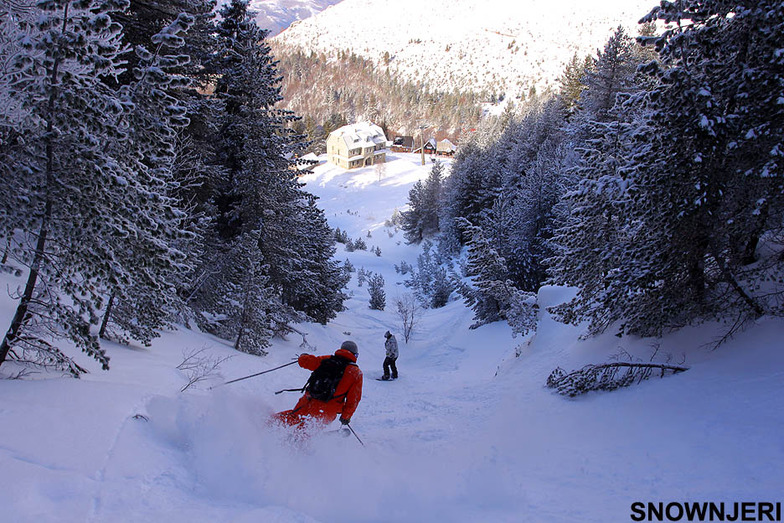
x=613 y=73
x=492 y=290
x=411 y=220
x=79 y=199
x=259 y=191
x=469 y=191
x=680 y=226
x=378 y=297
x=597 y=224
x=572 y=82
x=421 y=220
x=718 y=100
x=143 y=305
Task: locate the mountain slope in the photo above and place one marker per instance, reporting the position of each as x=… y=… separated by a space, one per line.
x=469 y=433
x=492 y=45
x=277 y=15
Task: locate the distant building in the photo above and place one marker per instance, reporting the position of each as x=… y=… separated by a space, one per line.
x=358 y=145
x=445 y=148
x=403 y=144
x=430 y=147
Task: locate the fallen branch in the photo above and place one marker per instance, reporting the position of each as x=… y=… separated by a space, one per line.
x=607 y=376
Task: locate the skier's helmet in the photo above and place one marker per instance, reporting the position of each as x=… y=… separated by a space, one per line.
x=351 y=347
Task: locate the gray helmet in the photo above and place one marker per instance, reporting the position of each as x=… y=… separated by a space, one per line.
x=387 y=334
x=351 y=347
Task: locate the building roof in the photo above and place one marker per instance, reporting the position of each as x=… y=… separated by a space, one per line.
x=363 y=134
x=446 y=145
x=404 y=141
x=430 y=144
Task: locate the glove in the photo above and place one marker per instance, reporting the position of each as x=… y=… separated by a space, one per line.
x=344 y=421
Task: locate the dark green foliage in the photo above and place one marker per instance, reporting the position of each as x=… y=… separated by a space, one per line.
x=130 y=194
x=378 y=296
x=678 y=214
x=424 y=198
x=257 y=188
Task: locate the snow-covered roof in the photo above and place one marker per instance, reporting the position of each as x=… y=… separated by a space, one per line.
x=446 y=145
x=363 y=134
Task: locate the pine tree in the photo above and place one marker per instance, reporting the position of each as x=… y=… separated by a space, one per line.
x=572 y=82
x=680 y=225
x=492 y=290
x=79 y=199
x=714 y=122
x=470 y=190
x=598 y=227
x=412 y=219
x=378 y=297
x=143 y=305
x=259 y=191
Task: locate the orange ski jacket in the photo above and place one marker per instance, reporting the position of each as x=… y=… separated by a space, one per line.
x=345 y=401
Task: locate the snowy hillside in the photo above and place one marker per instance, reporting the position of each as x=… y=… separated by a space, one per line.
x=469 y=433
x=277 y=15
x=496 y=45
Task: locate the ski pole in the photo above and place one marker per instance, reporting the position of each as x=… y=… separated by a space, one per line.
x=354 y=433
x=252 y=375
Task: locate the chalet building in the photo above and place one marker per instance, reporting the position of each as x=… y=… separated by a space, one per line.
x=358 y=145
x=430 y=147
x=403 y=144
x=445 y=148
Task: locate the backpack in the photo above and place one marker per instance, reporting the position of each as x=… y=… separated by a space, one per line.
x=324 y=380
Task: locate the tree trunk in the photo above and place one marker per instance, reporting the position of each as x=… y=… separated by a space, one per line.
x=7 y=250
x=32 y=278
x=38 y=258
x=107 y=315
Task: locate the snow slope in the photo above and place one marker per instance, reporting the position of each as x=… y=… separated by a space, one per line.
x=494 y=45
x=468 y=433
x=277 y=15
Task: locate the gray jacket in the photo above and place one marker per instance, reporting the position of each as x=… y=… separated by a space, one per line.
x=391 y=347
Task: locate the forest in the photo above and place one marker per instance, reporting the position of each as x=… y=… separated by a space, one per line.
x=150 y=180
x=329 y=92
x=652 y=183
x=150 y=175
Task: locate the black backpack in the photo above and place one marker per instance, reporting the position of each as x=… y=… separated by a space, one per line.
x=324 y=380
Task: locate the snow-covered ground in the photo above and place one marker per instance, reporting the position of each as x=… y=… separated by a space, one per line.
x=469 y=433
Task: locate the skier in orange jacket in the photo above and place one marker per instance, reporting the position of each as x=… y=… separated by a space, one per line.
x=345 y=400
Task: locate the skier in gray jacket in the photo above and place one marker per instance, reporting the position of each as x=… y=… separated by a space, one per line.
x=389 y=362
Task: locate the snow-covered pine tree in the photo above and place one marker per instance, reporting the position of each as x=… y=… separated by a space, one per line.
x=79 y=199
x=143 y=304
x=613 y=72
x=491 y=291
x=424 y=198
x=598 y=231
x=310 y=280
x=534 y=161
x=378 y=296
x=145 y=18
x=430 y=281
x=471 y=189
x=411 y=220
x=247 y=319
x=715 y=123
x=16 y=24
x=57 y=76
x=572 y=82
x=259 y=190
